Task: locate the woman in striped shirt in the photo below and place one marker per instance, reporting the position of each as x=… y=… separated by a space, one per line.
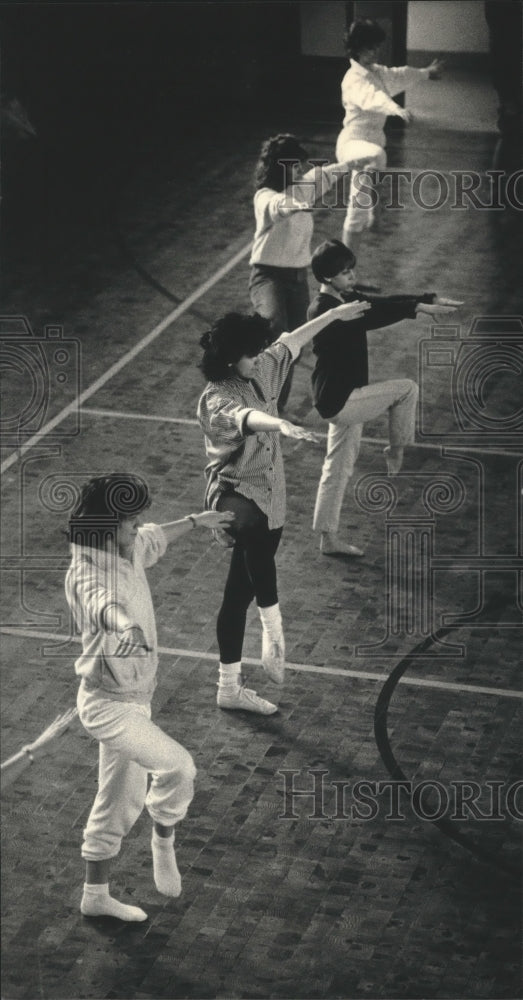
x=238 y=413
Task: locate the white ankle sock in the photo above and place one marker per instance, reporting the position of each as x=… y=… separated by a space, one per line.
x=167 y=878
x=230 y=674
x=96 y=902
x=271 y=621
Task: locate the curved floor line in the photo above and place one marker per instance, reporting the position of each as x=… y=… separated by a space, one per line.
x=448 y=827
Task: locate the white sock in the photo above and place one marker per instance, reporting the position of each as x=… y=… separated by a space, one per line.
x=230 y=674
x=271 y=621
x=96 y=902
x=167 y=878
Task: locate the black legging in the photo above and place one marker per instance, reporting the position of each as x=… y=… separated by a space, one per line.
x=252 y=573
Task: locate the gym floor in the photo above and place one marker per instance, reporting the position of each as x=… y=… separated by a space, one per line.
x=283 y=895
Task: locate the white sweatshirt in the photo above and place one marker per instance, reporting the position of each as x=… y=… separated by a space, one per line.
x=367 y=94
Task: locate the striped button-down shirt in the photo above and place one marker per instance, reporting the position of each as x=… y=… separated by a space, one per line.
x=250 y=463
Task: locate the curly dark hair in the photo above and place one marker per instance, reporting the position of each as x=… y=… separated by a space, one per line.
x=270 y=170
x=103 y=502
x=363 y=34
x=234 y=336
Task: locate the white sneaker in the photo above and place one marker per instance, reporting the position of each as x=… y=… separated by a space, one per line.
x=240 y=697
x=273 y=657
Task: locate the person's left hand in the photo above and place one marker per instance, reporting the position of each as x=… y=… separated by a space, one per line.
x=440 y=301
x=298 y=433
x=435 y=69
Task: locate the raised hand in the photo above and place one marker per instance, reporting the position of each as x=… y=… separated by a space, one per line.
x=214 y=519
x=350 y=310
x=437 y=309
x=298 y=433
x=440 y=301
x=435 y=69
x=359 y=164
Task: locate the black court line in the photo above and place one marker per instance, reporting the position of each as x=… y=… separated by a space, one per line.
x=448 y=827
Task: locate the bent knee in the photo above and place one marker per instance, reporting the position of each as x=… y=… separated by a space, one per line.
x=410 y=387
x=187 y=766
x=180 y=764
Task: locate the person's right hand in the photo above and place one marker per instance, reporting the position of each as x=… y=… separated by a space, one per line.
x=299 y=433
x=351 y=310
x=405 y=114
x=132 y=642
x=360 y=164
x=435 y=69
x=214 y=519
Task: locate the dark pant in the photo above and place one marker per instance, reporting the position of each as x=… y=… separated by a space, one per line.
x=252 y=572
x=281 y=295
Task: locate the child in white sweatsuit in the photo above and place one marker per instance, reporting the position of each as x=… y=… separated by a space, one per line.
x=108 y=593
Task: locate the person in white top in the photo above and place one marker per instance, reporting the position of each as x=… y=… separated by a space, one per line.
x=286 y=193
x=367 y=92
x=108 y=593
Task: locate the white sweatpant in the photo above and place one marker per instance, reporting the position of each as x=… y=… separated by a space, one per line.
x=360 y=215
x=131 y=747
x=399 y=397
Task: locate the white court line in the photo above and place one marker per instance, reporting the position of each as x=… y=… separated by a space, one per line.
x=128 y=356
x=122 y=415
x=424 y=682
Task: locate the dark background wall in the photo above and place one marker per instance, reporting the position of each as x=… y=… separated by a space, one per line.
x=111 y=70
x=105 y=84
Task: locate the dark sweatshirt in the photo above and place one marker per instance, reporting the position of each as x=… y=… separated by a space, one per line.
x=342 y=362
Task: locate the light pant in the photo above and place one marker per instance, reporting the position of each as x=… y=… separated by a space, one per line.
x=360 y=211
x=131 y=747
x=399 y=397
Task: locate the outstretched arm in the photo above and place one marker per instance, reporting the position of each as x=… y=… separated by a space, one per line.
x=257 y=420
x=115 y=618
x=438 y=308
x=207 y=519
x=303 y=334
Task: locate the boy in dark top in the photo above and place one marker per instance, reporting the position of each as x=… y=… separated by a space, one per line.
x=340 y=382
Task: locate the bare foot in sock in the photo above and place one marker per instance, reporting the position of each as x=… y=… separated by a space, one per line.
x=394 y=460
x=167 y=878
x=96 y=902
x=331 y=545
